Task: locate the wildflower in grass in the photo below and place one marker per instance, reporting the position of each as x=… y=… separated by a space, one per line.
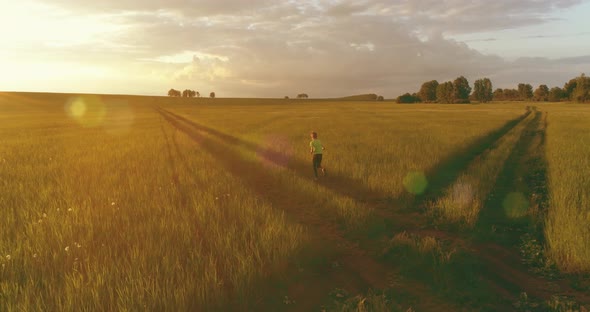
x=288 y=301
x=77 y=245
x=70 y=209
x=34 y=255
x=44 y=215
x=8 y=257
x=67 y=248
x=112 y=203
x=40 y=221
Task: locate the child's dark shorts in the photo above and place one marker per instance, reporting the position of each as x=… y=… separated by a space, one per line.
x=317 y=160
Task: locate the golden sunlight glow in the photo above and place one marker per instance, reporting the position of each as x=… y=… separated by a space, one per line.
x=33 y=41
x=78 y=109
x=188 y=57
x=39 y=23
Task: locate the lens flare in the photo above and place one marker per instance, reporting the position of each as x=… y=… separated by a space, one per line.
x=120 y=117
x=515 y=205
x=87 y=110
x=415 y=182
x=77 y=109
x=275 y=151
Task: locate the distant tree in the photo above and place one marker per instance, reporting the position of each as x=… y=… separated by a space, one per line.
x=556 y=94
x=372 y=97
x=461 y=90
x=569 y=88
x=198 y=94
x=541 y=93
x=189 y=93
x=173 y=92
x=445 y=92
x=581 y=93
x=302 y=96
x=212 y=95
x=286 y=97
x=511 y=95
x=482 y=90
x=498 y=95
x=427 y=92
x=407 y=98
x=380 y=98
x=525 y=91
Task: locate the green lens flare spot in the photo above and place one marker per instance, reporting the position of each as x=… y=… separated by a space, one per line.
x=415 y=182
x=515 y=205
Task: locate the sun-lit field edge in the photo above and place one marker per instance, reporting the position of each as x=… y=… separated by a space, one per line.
x=568 y=154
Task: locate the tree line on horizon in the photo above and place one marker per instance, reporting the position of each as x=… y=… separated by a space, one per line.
x=187 y=93
x=459 y=91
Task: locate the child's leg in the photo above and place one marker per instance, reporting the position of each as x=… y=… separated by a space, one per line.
x=315 y=166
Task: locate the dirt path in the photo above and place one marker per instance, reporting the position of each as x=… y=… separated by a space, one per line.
x=340 y=263
x=357 y=269
x=502 y=223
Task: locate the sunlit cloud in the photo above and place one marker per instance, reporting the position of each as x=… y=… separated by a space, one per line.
x=273 y=48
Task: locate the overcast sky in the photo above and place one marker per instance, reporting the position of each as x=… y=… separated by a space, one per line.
x=265 y=48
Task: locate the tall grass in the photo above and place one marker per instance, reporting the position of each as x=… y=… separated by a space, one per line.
x=567 y=228
x=375 y=145
x=118 y=210
x=445 y=269
x=131 y=220
x=371 y=302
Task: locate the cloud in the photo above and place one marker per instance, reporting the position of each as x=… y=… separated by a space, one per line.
x=482 y=40
x=276 y=48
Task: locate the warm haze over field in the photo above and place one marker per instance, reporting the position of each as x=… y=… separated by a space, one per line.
x=247 y=155
x=263 y=48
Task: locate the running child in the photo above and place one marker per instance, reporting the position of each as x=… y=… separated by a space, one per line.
x=316 y=149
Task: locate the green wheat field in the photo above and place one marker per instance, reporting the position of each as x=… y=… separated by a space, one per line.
x=129 y=203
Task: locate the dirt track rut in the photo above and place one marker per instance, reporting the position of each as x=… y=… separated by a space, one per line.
x=357 y=267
